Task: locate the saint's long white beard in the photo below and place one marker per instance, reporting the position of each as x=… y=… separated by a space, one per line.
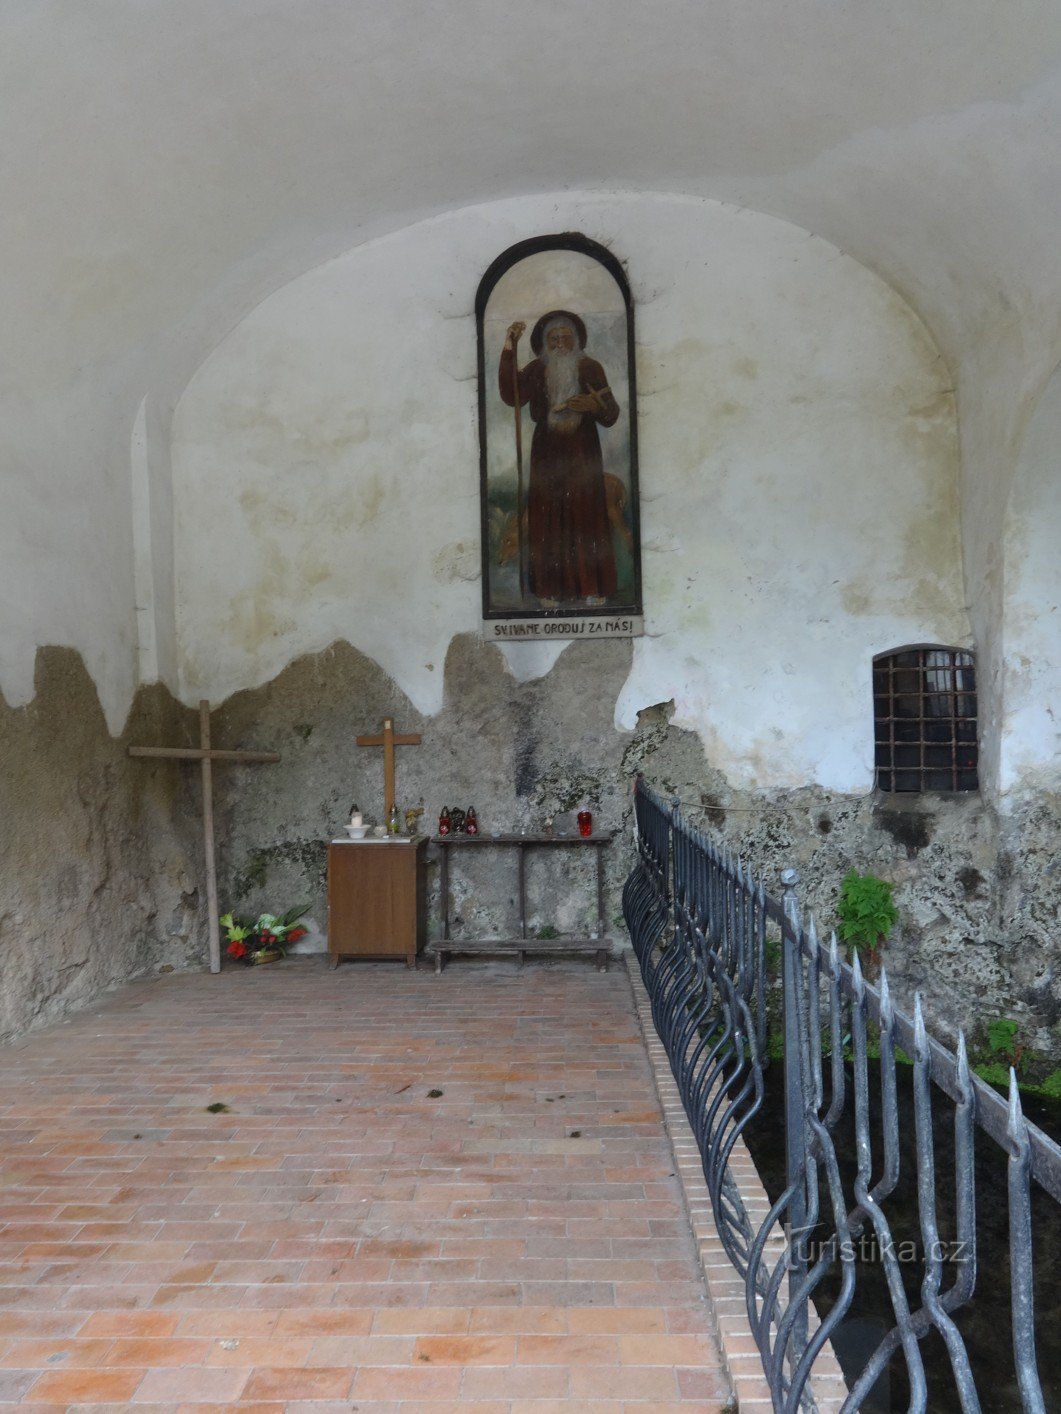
x=561 y=383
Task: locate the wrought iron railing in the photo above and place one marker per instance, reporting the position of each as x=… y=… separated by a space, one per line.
x=702 y=930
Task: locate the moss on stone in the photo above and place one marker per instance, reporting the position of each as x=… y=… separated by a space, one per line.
x=310 y=858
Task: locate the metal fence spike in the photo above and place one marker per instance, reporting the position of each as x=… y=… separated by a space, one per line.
x=964 y=1083
x=1017 y=1127
x=920 y=1034
x=887 y=1016
x=857 y=978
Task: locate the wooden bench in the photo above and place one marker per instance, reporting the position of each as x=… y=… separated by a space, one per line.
x=600 y=945
x=520 y=947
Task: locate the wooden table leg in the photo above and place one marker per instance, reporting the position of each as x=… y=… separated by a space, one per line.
x=443 y=889
x=522 y=876
x=522 y=873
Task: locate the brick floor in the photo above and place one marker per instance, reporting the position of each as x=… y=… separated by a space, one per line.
x=340 y=1236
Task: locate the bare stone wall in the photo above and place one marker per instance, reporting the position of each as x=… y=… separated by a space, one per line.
x=99 y=870
x=978 y=895
x=516 y=751
x=101 y=857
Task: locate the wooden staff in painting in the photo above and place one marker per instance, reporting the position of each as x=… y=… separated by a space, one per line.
x=514 y=334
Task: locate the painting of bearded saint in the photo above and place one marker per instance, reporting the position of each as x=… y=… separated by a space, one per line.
x=560 y=493
x=569 y=554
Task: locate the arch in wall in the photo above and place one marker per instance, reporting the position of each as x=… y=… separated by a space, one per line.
x=798 y=457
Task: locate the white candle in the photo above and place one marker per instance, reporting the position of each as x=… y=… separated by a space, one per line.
x=356 y=818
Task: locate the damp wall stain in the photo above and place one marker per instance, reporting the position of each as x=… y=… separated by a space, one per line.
x=101 y=872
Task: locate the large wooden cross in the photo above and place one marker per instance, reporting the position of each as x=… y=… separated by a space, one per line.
x=388 y=739
x=206 y=757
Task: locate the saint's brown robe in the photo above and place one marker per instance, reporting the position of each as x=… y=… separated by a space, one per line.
x=569 y=543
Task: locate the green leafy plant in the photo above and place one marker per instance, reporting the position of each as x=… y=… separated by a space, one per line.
x=867 y=913
x=546 y=931
x=1002 y=1041
x=994 y=1072
x=253 y=940
x=1002 y=1051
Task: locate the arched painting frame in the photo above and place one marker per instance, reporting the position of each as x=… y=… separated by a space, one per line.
x=561 y=544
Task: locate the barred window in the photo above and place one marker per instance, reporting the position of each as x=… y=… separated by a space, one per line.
x=924 y=711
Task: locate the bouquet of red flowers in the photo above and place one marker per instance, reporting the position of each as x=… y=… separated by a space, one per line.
x=262 y=939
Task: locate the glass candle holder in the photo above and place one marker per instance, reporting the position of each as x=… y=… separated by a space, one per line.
x=585 y=823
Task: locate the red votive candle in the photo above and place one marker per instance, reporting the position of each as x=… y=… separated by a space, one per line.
x=585 y=823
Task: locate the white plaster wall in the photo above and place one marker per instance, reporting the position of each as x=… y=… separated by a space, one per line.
x=66 y=542
x=798 y=476
x=1030 y=745
x=152 y=197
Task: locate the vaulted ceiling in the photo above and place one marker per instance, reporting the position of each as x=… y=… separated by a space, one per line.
x=167 y=162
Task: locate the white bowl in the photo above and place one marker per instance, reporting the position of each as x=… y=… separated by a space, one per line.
x=357 y=832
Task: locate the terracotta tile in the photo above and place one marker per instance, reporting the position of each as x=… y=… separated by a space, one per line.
x=41 y=1323
x=191 y=1386
x=225 y=1324
x=270 y=1406
x=666 y=1349
x=348 y=1321
x=626 y=1382
x=76 y=1353
x=516 y=1382
x=465 y=1350
x=84 y=1387
x=253 y=1256
x=268 y=1351
x=521 y=1320
x=414 y=1384
x=568 y=1350
x=714 y=1403
x=566 y=1406
x=15 y=1383
x=129 y=1323
x=424 y=1320
x=298 y=1384
x=436 y=1406
x=366 y=1350
x=152 y=1353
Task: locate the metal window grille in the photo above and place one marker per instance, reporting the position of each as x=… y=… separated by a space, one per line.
x=924 y=711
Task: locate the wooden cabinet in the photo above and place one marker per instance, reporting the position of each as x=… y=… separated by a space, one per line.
x=377 y=900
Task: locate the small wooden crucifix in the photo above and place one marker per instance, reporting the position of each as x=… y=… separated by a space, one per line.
x=205 y=756
x=389 y=739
